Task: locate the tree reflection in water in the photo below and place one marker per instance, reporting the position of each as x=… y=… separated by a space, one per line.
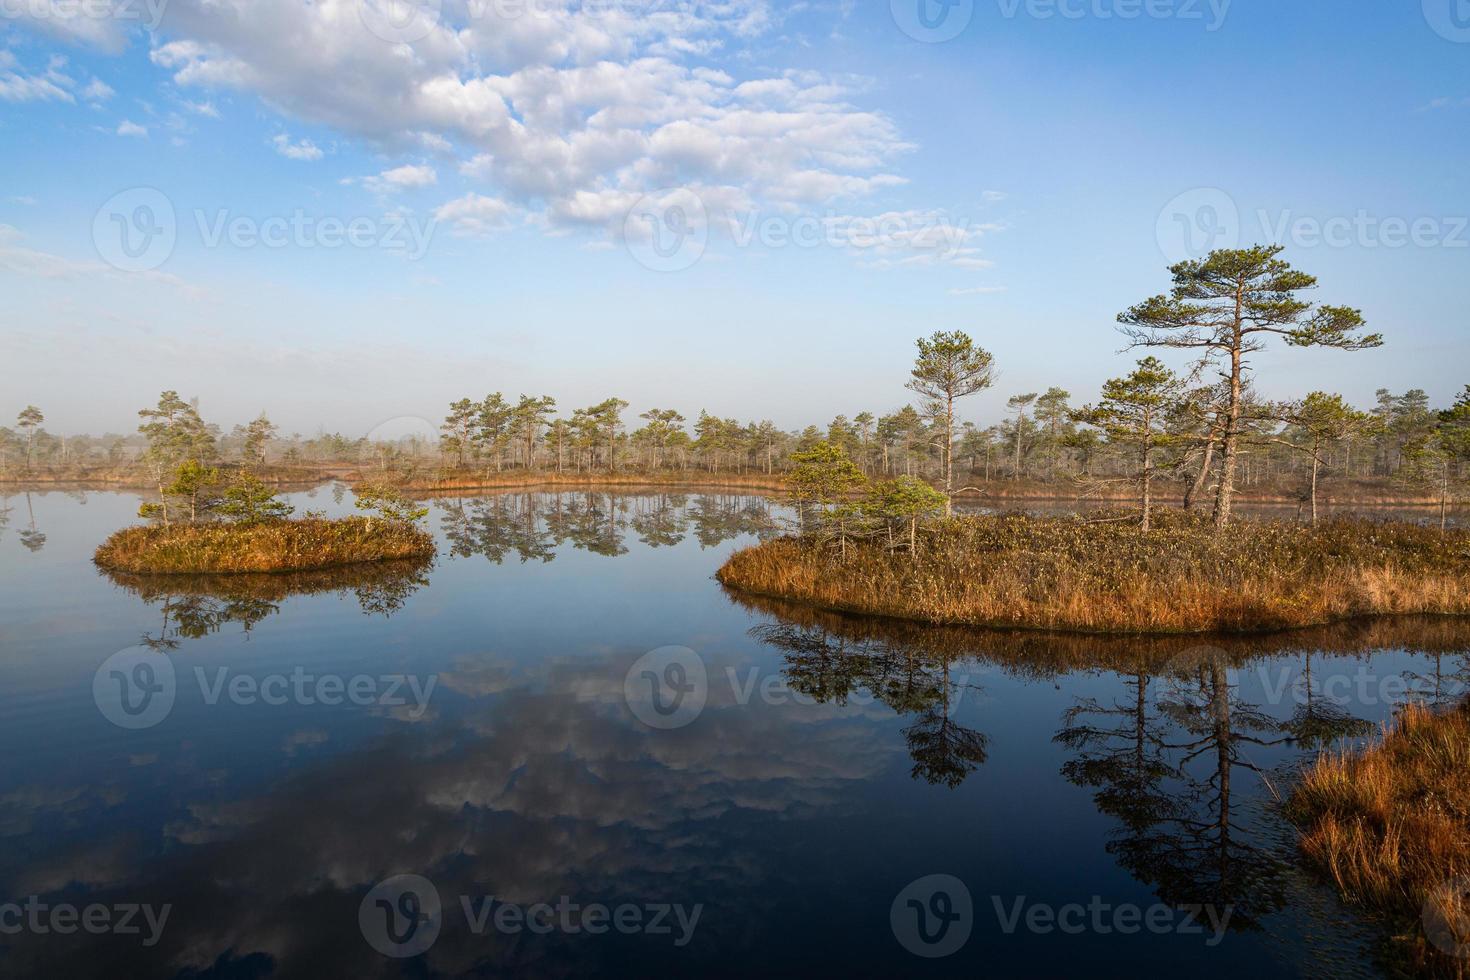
x=531 y=525
x=1165 y=760
x=194 y=606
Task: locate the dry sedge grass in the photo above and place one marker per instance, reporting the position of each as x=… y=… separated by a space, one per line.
x=270 y=546
x=1391 y=827
x=1068 y=574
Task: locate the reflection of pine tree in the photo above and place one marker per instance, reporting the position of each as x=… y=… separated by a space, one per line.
x=1440 y=686
x=1162 y=762
x=659 y=520
x=33 y=539
x=830 y=668
x=1316 y=723
x=1207 y=851
x=943 y=750
x=1122 y=761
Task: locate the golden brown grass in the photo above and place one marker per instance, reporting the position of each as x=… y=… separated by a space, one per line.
x=1391 y=827
x=1068 y=574
x=270 y=546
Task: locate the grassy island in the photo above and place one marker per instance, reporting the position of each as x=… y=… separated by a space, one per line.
x=1074 y=574
x=1391 y=828
x=265 y=546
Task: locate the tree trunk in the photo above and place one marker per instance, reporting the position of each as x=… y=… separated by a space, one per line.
x=949 y=456
x=1204 y=471
x=1315 y=466
x=1229 y=443
x=1148 y=474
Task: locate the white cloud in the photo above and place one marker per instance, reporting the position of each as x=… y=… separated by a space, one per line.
x=560 y=110
x=475 y=214
x=19 y=260
x=301 y=150
x=97 y=91
x=202 y=109
x=18 y=85
x=406 y=177
x=129 y=128
x=977 y=291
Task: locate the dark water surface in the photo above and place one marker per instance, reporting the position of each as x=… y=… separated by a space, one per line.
x=566 y=710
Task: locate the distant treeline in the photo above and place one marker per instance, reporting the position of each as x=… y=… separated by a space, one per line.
x=1203 y=432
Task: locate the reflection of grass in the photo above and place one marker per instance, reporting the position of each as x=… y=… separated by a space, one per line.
x=196 y=605
x=1033 y=654
x=1391 y=827
x=269 y=546
x=273 y=586
x=1069 y=574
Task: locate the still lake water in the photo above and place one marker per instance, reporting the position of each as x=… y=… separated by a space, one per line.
x=566 y=709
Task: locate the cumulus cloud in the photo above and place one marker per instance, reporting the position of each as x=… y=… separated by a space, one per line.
x=129 y=128
x=406 y=177
x=475 y=214
x=560 y=109
x=301 y=150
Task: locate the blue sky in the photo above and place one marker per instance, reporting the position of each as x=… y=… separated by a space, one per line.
x=1023 y=180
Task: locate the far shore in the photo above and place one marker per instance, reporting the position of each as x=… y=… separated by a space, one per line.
x=453 y=483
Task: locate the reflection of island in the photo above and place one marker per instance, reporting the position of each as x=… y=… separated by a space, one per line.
x=197 y=605
x=531 y=526
x=1166 y=760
